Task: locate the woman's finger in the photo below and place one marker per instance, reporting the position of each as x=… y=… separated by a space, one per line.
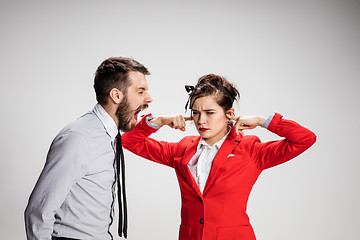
x=232 y=117
x=244 y=127
x=188 y=118
x=238 y=123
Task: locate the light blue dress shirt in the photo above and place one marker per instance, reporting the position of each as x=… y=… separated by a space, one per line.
x=74 y=194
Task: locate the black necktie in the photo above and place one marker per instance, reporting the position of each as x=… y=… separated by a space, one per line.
x=120 y=163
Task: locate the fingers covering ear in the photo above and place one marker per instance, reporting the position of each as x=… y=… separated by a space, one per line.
x=188 y=118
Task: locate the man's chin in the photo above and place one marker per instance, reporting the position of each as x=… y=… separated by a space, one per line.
x=131 y=120
x=130 y=126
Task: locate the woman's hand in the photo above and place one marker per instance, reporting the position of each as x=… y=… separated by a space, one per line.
x=173 y=121
x=247 y=122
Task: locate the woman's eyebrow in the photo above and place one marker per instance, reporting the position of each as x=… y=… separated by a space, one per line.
x=205 y=110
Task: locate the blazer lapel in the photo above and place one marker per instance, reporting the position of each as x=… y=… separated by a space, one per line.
x=188 y=154
x=226 y=148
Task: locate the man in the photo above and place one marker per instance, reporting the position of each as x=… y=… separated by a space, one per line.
x=74 y=195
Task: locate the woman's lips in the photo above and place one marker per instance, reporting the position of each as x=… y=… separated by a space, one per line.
x=203 y=129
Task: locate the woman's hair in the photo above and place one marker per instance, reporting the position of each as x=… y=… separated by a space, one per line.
x=113 y=73
x=224 y=92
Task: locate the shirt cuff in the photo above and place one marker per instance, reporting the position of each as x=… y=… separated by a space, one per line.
x=152 y=125
x=268 y=121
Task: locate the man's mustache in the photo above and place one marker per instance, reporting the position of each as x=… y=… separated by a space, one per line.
x=142 y=107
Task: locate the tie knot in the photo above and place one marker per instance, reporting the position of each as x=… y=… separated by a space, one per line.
x=118 y=143
x=118 y=137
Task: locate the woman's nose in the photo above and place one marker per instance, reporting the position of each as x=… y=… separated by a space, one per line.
x=202 y=119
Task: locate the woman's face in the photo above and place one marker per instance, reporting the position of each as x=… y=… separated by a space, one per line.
x=210 y=119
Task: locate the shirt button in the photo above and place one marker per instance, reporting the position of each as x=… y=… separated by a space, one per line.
x=201 y=221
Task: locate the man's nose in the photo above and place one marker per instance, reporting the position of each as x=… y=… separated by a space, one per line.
x=148 y=98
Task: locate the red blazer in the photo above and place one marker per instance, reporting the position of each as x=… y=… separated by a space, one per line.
x=220 y=212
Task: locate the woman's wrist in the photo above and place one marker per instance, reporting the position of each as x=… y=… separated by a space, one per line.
x=156 y=120
x=261 y=120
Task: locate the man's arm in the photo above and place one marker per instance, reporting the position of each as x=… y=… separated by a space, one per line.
x=64 y=165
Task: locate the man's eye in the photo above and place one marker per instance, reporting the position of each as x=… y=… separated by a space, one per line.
x=195 y=113
x=209 y=113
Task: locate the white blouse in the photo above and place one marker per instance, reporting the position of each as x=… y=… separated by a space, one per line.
x=200 y=164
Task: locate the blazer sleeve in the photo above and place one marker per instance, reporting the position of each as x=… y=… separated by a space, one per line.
x=138 y=142
x=270 y=154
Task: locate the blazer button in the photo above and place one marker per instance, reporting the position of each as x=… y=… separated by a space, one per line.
x=201 y=221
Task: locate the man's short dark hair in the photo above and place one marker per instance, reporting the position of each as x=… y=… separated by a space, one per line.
x=113 y=73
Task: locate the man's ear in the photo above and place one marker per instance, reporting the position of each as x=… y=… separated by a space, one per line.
x=116 y=95
x=230 y=114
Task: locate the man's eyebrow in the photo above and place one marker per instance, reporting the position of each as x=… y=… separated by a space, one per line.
x=142 y=88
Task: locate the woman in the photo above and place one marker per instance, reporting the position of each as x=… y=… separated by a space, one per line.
x=217 y=169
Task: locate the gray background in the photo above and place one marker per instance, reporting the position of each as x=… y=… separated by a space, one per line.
x=299 y=58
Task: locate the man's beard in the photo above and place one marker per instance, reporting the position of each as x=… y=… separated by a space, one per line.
x=125 y=115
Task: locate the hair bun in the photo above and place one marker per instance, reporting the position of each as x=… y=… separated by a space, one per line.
x=212 y=84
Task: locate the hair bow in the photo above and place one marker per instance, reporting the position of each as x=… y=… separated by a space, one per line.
x=189 y=89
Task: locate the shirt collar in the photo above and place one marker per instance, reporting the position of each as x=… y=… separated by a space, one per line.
x=107 y=121
x=217 y=145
